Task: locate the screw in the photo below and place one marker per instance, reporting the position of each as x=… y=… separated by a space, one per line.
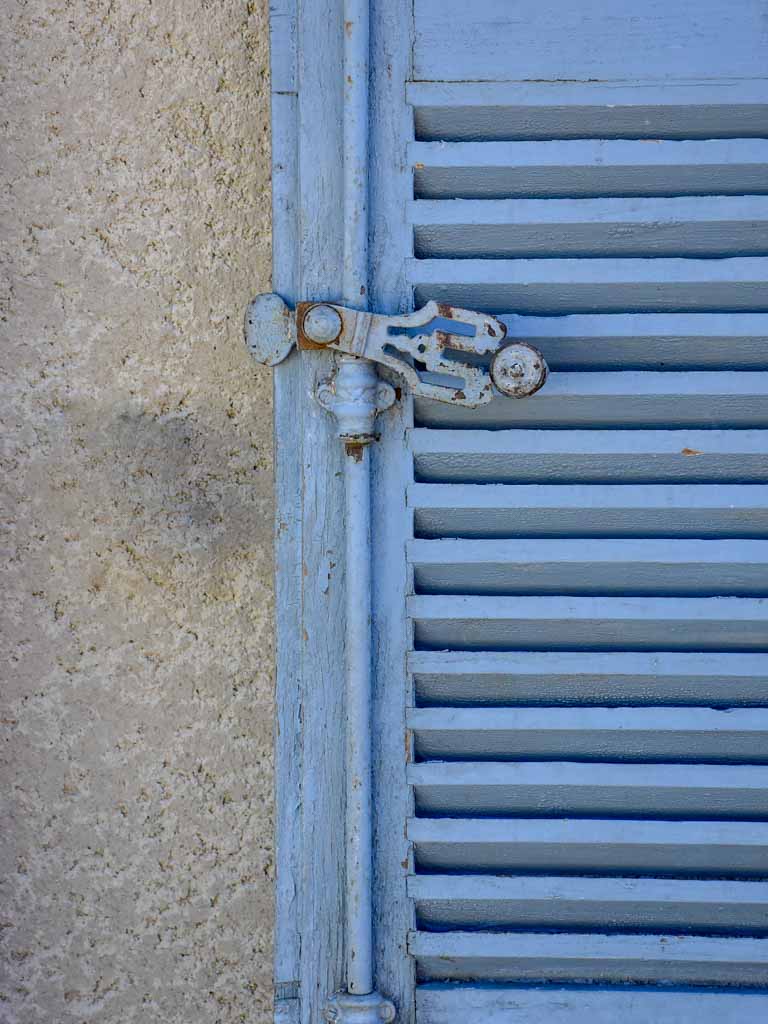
x=322 y=324
x=513 y=370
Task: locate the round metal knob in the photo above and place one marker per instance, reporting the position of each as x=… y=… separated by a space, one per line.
x=321 y=324
x=518 y=370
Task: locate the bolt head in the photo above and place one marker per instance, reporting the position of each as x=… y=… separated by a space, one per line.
x=322 y=324
x=518 y=370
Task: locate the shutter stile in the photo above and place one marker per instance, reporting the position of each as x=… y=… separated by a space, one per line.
x=589 y=566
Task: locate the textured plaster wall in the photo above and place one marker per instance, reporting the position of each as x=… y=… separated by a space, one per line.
x=137 y=637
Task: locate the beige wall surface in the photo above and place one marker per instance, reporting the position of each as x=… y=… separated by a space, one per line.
x=137 y=636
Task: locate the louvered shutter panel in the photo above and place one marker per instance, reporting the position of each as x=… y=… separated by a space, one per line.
x=587 y=570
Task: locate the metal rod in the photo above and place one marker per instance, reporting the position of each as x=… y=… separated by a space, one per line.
x=356 y=57
x=359 y=826
x=358 y=707
x=354 y=396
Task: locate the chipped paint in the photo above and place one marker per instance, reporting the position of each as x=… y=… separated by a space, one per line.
x=354 y=449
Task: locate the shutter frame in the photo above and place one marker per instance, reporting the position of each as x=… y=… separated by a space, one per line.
x=309 y=540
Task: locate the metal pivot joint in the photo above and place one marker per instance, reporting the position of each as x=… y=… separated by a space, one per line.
x=444 y=353
x=344 y=1008
x=355 y=395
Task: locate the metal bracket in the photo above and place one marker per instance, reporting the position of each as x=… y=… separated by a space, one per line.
x=443 y=352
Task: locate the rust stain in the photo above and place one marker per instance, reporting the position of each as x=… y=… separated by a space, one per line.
x=459 y=396
x=455 y=341
x=302 y=341
x=355 y=450
x=691 y=451
x=445 y=310
x=348 y=26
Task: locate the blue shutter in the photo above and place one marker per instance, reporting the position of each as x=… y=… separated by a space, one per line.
x=583 y=574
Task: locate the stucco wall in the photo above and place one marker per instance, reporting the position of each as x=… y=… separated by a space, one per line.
x=137 y=685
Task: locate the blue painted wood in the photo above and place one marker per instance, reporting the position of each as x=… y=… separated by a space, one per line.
x=391 y=131
x=624 y=399
x=663 y=734
x=599 y=566
x=591 y=847
x=309 y=541
x=562 y=623
x=536 y=627
x=589 y=167
x=500 y=1004
x=542 y=902
x=712 y=226
x=681 y=792
x=463 y=111
x=588 y=678
x=490 y=40
x=594 y=285
x=288 y=529
x=589 y=510
x=534 y=956
x=589 y=456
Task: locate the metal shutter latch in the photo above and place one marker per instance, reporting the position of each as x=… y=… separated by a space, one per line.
x=443 y=352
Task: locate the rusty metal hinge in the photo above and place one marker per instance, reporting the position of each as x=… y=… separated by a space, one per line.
x=443 y=352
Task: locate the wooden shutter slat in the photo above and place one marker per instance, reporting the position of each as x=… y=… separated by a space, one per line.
x=500 y=1004
x=633 y=227
x=448 y=902
x=523 y=956
x=623 y=399
x=463 y=111
x=590 y=566
x=610 y=789
x=595 y=623
x=588 y=678
x=599 y=847
x=674 y=735
x=588 y=167
x=593 y=285
x=589 y=456
x=587 y=510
